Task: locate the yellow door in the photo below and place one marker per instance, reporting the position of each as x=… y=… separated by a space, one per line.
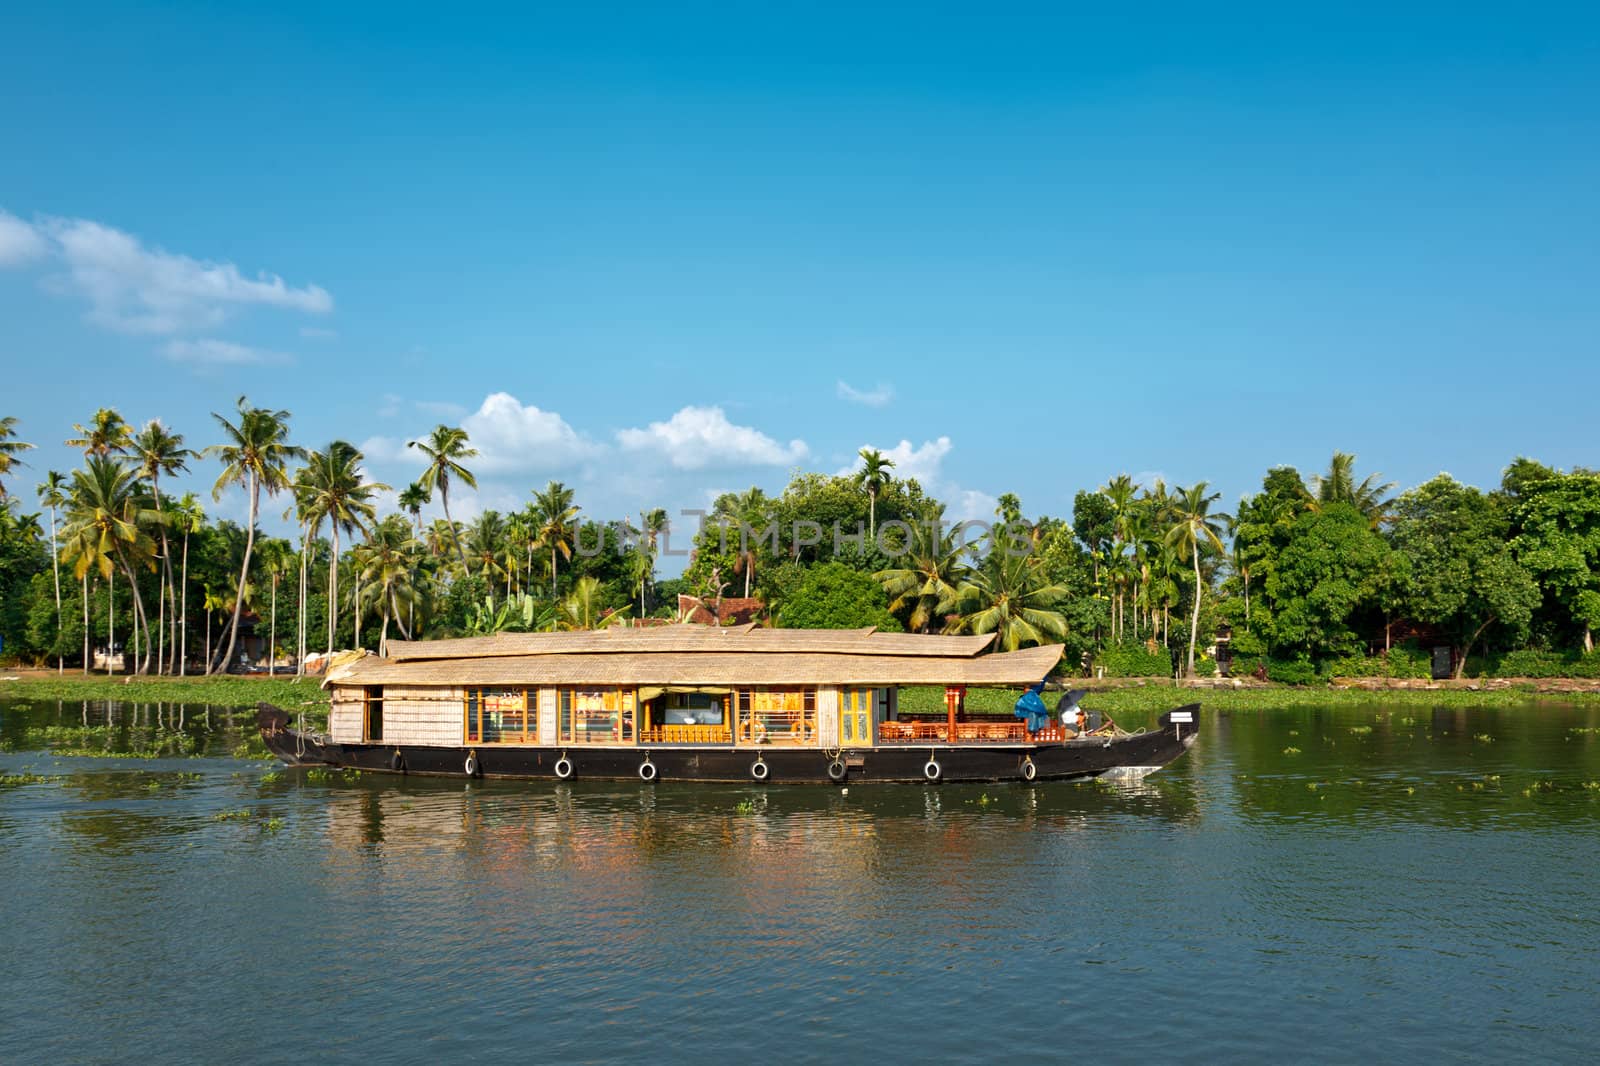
x=855 y=718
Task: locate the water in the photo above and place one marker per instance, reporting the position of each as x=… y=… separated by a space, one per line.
x=1408 y=884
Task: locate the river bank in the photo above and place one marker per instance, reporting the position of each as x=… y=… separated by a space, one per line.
x=1139 y=696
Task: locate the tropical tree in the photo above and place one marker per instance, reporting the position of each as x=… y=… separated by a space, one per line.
x=1196 y=527
x=332 y=488
x=445 y=448
x=873 y=476
x=278 y=560
x=388 y=564
x=189 y=518
x=107 y=433
x=584 y=607
x=1014 y=598
x=412 y=499
x=1339 y=485
x=106 y=529
x=556 y=514
x=53 y=494
x=925 y=589
x=158 y=452
x=10 y=448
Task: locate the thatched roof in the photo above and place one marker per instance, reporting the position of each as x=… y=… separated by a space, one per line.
x=700 y=655
x=692 y=639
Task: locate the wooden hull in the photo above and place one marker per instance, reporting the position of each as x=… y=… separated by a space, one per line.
x=1133 y=755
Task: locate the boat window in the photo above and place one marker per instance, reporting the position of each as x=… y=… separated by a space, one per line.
x=692 y=708
x=502 y=716
x=596 y=715
x=777 y=715
x=373 y=699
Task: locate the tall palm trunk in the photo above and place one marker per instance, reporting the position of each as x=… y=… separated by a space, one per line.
x=333 y=588
x=444 y=502
x=272 y=632
x=552 y=570
x=84 y=581
x=111 y=618
x=55 y=567
x=244 y=576
x=183 y=626
x=1194 y=621
x=300 y=622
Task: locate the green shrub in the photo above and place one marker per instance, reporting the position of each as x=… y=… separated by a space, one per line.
x=1533 y=662
x=1299 y=671
x=1134 y=659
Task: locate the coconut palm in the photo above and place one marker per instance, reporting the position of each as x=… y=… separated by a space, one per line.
x=1013 y=598
x=53 y=494
x=106 y=528
x=556 y=513
x=278 y=560
x=10 y=448
x=388 y=563
x=1196 y=527
x=1339 y=485
x=445 y=447
x=873 y=476
x=255 y=456
x=106 y=434
x=584 y=607
x=158 y=452
x=930 y=581
x=483 y=543
x=187 y=517
x=332 y=488
x=412 y=499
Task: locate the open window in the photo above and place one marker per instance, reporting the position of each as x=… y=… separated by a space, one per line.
x=502 y=716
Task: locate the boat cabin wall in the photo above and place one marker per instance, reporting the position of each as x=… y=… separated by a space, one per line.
x=396 y=714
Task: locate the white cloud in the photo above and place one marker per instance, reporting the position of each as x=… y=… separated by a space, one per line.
x=389 y=405
x=387 y=449
x=132 y=288
x=510 y=436
x=923 y=462
x=878 y=397
x=209 y=352
x=19 y=241
x=697 y=438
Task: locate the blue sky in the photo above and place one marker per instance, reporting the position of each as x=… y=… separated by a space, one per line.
x=673 y=249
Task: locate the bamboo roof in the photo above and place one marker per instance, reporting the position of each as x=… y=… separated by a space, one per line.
x=692 y=639
x=708 y=666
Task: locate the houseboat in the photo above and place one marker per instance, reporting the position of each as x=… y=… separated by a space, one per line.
x=704 y=703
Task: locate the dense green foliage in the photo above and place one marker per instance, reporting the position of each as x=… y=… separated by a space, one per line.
x=1307 y=579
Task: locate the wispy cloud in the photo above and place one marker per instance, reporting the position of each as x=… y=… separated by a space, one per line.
x=878 y=397
x=698 y=438
x=440 y=408
x=19 y=241
x=132 y=287
x=209 y=352
x=317 y=333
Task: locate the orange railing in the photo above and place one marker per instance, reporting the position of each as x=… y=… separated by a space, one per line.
x=966 y=732
x=686 y=734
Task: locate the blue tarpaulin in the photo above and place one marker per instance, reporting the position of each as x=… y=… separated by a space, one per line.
x=1030 y=707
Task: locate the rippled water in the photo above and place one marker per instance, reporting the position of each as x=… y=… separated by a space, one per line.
x=1405 y=884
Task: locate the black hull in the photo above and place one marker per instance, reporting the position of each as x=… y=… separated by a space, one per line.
x=1091 y=757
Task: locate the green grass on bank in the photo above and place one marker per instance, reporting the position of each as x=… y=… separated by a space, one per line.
x=1147 y=701
x=216 y=691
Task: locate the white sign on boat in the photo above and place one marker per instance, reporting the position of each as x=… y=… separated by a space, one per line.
x=1183 y=716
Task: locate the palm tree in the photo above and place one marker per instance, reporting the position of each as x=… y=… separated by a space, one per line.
x=653 y=524
x=52 y=493
x=556 y=512
x=584 y=607
x=873 y=476
x=1012 y=598
x=106 y=518
x=10 y=448
x=161 y=452
x=1195 y=527
x=931 y=580
x=412 y=499
x=107 y=433
x=388 y=563
x=255 y=456
x=189 y=518
x=483 y=543
x=1339 y=485
x=445 y=447
x=333 y=488
x=1120 y=490
x=277 y=558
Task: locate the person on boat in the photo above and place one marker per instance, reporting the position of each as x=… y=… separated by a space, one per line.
x=1032 y=709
